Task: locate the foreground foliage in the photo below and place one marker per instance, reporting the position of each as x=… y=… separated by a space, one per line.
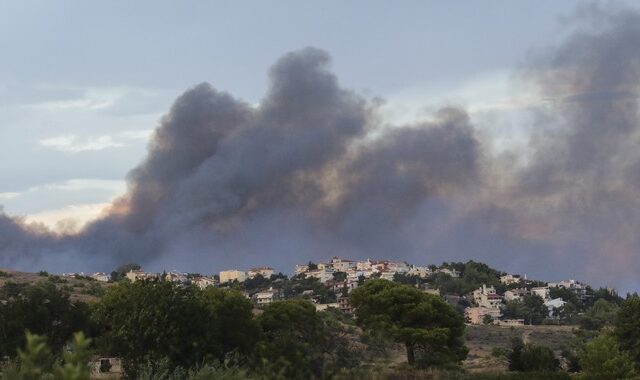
x=168 y=331
x=430 y=329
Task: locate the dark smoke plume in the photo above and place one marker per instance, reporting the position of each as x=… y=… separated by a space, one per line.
x=314 y=171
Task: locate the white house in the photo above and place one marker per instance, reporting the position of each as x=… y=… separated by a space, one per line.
x=450 y=272
x=487 y=297
x=422 y=272
x=232 y=275
x=177 y=277
x=265 y=272
x=300 y=269
x=322 y=275
x=364 y=265
x=101 y=277
x=136 y=275
x=542 y=292
x=341 y=265
x=515 y=294
x=204 y=282
x=265 y=297
x=555 y=303
x=574 y=286
x=475 y=315
x=509 y=279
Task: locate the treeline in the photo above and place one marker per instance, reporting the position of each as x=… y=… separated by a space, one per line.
x=592 y=311
x=613 y=352
x=164 y=330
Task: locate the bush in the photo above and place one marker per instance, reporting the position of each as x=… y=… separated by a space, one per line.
x=531 y=358
x=500 y=352
x=602 y=358
x=94 y=289
x=57 y=279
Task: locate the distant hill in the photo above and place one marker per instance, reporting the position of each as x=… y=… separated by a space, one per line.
x=79 y=288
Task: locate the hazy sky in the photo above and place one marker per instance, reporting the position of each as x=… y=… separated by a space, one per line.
x=83 y=84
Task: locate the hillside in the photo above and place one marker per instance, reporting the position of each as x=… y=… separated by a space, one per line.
x=80 y=288
x=483 y=339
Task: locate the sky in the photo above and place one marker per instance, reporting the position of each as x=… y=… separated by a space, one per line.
x=83 y=85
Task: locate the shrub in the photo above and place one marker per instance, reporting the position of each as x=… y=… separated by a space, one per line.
x=531 y=358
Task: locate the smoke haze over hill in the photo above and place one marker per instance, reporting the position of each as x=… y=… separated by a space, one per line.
x=314 y=170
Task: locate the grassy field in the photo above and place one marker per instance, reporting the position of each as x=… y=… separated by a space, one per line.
x=482 y=340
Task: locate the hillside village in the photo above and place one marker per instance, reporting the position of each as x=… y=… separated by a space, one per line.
x=498 y=307
x=483 y=294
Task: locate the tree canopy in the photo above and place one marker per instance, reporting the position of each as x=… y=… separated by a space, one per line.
x=430 y=329
x=40 y=308
x=601 y=358
x=159 y=320
x=627 y=327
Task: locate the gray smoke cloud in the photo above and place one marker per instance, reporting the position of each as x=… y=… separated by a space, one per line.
x=314 y=170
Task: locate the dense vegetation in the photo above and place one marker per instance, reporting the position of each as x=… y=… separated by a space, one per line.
x=162 y=327
x=164 y=330
x=425 y=324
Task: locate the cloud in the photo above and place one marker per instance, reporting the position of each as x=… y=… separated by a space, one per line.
x=144 y=134
x=70 y=218
x=56 y=195
x=8 y=195
x=80 y=184
x=73 y=144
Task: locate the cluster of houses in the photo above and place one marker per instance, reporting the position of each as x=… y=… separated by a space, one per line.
x=487 y=302
x=173 y=276
x=354 y=271
x=341 y=276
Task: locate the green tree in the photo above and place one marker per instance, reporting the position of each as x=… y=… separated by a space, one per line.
x=564 y=293
x=294 y=340
x=423 y=323
x=231 y=326
x=627 y=327
x=36 y=361
x=531 y=309
x=603 y=293
x=535 y=310
x=602 y=358
x=42 y=309
x=568 y=312
x=599 y=315
x=256 y=283
x=150 y=321
x=531 y=358
x=407 y=279
x=339 y=276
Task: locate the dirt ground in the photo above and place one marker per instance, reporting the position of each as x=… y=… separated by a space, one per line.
x=482 y=340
